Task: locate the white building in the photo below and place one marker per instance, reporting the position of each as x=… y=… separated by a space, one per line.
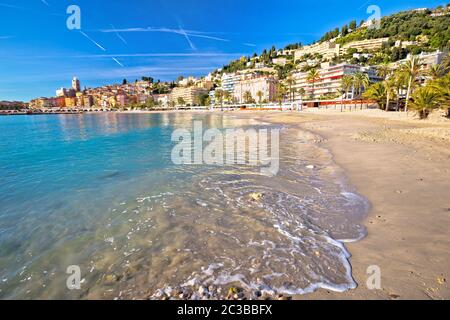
x=329 y=83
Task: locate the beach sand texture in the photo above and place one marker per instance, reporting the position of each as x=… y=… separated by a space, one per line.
x=402 y=166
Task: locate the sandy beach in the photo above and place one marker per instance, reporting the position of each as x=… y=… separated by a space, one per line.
x=402 y=166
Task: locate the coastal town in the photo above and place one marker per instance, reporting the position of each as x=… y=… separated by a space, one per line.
x=242 y=152
x=334 y=71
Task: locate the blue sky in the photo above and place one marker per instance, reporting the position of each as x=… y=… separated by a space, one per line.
x=159 y=38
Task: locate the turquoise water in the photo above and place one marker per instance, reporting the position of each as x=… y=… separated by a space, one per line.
x=100 y=191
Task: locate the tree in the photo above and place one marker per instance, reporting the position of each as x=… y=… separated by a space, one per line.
x=389 y=87
x=248 y=98
x=208 y=101
x=436 y=71
x=280 y=93
x=301 y=92
x=442 y=87
x=181 y=101
x=361 y=82
x=412 y=68
x=424 y=101
x=291 y=82
x=376 y=92
x=219 y=97
x=124 y=82
x=260 y=95
x=148 y=79
x=150 y=103
x=352 y=25
x=227 y=96
x=312 y=76
x=383 y=70
x=346 y=85
x=344 y=30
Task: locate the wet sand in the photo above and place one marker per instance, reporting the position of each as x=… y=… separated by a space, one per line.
x=403 y=167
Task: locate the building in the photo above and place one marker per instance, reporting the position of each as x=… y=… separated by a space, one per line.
x=280 y=61
x=122 y=100
x=76 y=84
x=327 y=50
x=88 y=101
x=329 y=84
x=229 y=81
x=189 y=95
x=41 y=103
x=63 y=92
x=162 y=99
x=264 y=84
x=369 y=44
x=71 y=102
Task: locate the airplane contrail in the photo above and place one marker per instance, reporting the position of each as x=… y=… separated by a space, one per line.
x=119 y=36
x=118 y=62
x=92 y=40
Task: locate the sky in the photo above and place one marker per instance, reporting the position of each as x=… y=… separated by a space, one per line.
x=163 y=39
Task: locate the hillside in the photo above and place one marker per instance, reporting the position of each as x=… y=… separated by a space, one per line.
x=419 y=30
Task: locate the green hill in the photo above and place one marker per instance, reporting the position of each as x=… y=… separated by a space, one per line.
x=426 y=31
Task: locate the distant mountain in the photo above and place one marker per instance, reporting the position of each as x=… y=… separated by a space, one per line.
x=12 y=105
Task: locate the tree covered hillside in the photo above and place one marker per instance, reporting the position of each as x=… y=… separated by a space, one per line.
x=432 y=31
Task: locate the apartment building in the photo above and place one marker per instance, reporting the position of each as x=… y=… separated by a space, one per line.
x=369 y=44
x=71 y=102
x=264 y=84
x=327 y=49
x=162 y=99
x=189 y=94
x=229 y=81
x=329 y=84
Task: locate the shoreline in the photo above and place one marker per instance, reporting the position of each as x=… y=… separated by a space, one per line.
x=402 y=168
x=407 y=234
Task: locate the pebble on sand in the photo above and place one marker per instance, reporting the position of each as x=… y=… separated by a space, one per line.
x=256 y=196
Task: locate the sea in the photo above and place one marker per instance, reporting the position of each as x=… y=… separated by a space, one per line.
x=93 y=206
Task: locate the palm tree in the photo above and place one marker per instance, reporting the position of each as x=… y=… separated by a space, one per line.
x=291 y=82
x=376 y=92
x=312 y=76
x=281 y=93
x=248 y=98
x=219 y=97
x=412 y=68
x=436 y=71
x=424 y=101
x=301 y=92
x=389 y=86
x=361 y=81
x=346 y=84
x=383 y=70
x=226 y=96
x=260 y=95
x=181 y=101
x=442 y=87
